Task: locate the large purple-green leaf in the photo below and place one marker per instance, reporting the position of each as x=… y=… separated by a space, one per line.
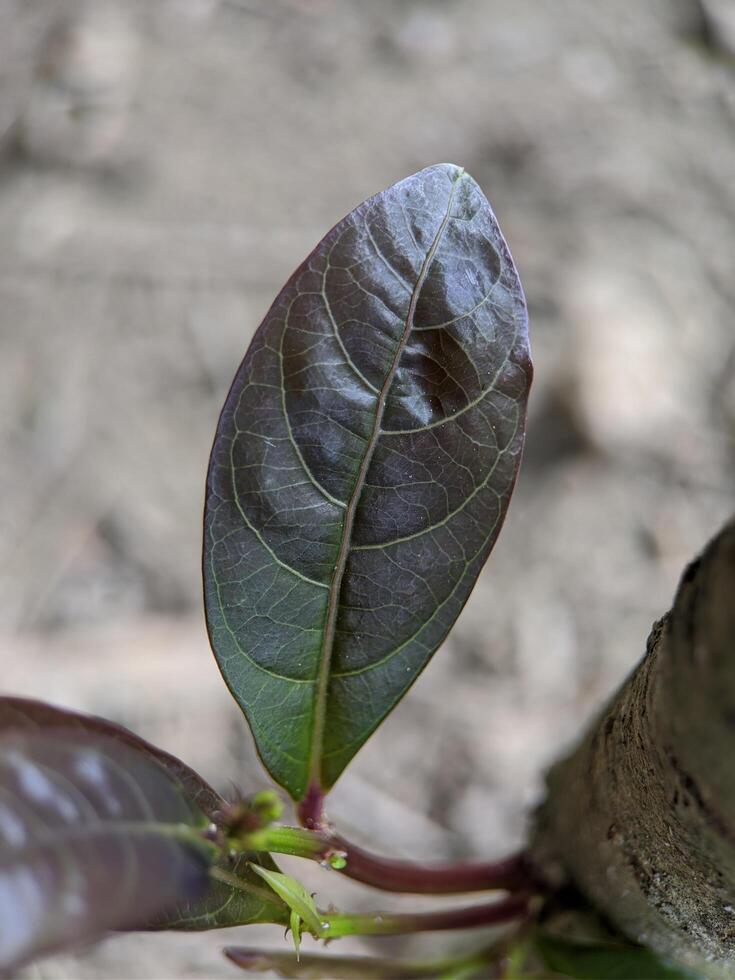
x=362 y=467
x=94 y=836
x=234 y=895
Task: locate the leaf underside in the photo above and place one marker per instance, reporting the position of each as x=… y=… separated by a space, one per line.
x=26 y=714
x=362 y=467
x=93 y=837
x=238 y=900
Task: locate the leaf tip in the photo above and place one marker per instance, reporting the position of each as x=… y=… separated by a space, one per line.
x=453 y=171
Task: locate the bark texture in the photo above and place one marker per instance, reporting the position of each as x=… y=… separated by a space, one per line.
x=642 y=815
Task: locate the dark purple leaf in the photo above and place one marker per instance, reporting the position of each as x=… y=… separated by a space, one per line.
x=94 y=836
x=222 y=903
x=362 y=467
x=28 y=715
x=235 y=897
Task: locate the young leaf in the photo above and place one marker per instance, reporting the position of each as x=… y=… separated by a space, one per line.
x=592 y=961
x=93 y=836
x=362 y=467
x=295 y=896
x=25 y=714
x=295 y=922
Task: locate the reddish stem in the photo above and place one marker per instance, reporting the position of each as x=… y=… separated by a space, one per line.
x=511 y=874
x=310 y=810
x=508 y=909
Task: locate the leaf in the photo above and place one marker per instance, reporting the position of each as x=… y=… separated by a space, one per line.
x=295 y=896
x=362 y=467
x=94 y=836
x=590 y=961
x=235 y=897
x=238 y=898
x=295 y=923
x=25 y=714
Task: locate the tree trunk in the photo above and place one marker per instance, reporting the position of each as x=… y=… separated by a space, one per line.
x=641 y=816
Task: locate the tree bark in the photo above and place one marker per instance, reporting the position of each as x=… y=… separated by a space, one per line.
x=641 y=816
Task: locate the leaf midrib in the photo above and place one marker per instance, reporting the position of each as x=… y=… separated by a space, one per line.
x=59 y=836
x=335 y=586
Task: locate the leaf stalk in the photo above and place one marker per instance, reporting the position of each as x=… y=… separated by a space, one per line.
x=509 y=909
x=313 y=965
x=513 y=874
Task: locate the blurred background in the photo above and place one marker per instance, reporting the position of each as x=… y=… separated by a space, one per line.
x=164 y=165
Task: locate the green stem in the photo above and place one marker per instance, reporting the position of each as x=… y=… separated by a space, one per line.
x=288 y=840
x=387 y=924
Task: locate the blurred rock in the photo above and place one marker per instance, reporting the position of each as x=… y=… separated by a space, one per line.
x=718 y=25
x=20 y=26
x=726 y=394
x=427 y=35
x=155 y=675
x=78 y=109
x=629 y=372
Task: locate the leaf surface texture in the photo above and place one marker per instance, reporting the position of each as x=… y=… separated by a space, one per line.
x=27 y=714
x=93 y=837
x=362 y=467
